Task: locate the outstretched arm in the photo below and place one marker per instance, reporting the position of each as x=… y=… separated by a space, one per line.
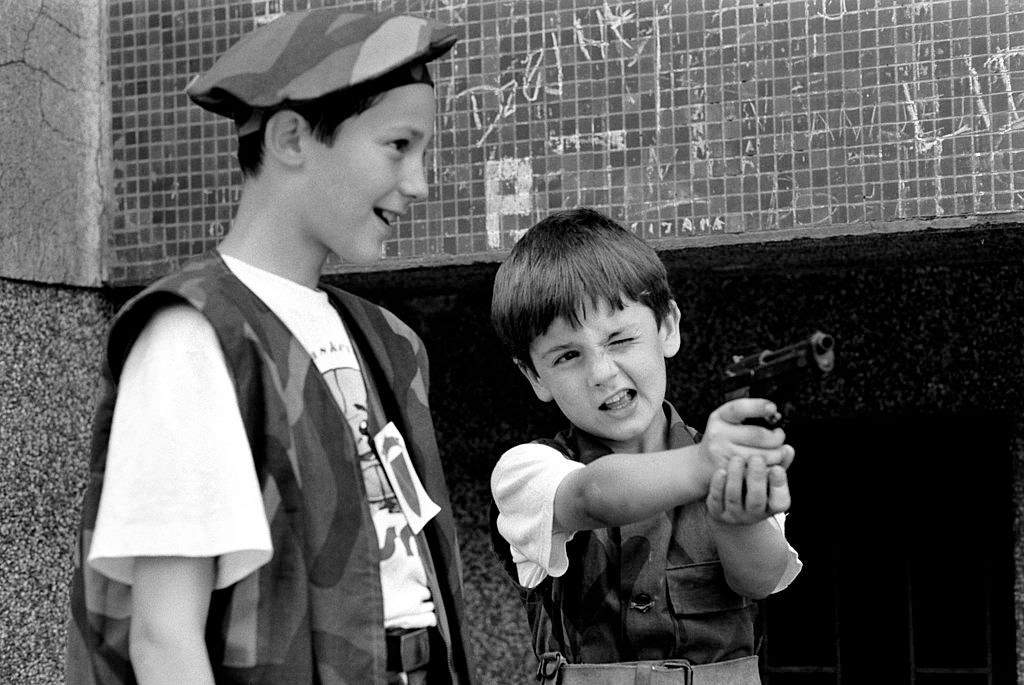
x=619 y=489
x=170 y=602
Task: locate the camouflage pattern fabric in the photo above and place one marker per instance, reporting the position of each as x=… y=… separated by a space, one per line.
x=306 y=55
x=651 y=590
x=314 y=613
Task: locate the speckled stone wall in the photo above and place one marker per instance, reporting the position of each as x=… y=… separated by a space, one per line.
x=50 y=341
x=927 y=322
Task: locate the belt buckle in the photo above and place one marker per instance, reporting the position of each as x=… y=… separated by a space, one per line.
x=548 y=666
x=413 y=647
x=674 y=665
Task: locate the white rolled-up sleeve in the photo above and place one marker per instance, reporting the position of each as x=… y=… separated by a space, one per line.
x=523 y=484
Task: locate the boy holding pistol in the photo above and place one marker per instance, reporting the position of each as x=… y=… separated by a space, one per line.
x=639 y=547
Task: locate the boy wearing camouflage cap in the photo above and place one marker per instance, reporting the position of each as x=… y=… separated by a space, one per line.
x=267 y=503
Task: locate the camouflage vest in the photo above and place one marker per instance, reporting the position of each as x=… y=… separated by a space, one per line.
x=647 y=591
x=314 y=613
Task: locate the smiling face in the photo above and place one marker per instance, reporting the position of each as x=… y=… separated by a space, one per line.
x=608 y=375
x=358 y=186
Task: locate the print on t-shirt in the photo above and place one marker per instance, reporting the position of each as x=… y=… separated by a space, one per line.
x=416 y=505
x=407 y=600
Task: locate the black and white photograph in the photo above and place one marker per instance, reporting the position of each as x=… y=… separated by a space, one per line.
x=511 y=342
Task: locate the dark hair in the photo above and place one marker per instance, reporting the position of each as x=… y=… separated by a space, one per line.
x=324 y=115
x=568 y=261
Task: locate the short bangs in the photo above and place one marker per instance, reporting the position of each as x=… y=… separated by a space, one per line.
x=564 y=267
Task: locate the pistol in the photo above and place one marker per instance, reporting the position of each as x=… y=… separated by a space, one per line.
x=774 y=374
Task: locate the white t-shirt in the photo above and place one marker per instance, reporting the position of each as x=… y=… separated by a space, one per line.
x=179 y=479
x=523 y=484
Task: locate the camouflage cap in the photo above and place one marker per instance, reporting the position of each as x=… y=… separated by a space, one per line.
x=305 y=55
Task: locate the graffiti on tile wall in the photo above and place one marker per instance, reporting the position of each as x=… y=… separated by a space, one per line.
x=680 y=121
x=908 y=120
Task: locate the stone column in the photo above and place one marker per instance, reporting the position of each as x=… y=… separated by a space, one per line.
x=54 y=133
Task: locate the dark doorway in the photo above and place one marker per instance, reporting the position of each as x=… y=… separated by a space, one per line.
x=905 y=527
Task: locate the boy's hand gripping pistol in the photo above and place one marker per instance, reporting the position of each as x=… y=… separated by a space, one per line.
x=773 y=374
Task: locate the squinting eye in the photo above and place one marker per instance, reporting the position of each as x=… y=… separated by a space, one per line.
x=568 y=356
x=621 y=341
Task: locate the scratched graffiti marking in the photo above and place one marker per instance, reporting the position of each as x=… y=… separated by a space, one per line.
x=509 y=184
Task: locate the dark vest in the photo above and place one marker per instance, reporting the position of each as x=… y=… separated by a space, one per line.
x=314 y=612
x=647 y=591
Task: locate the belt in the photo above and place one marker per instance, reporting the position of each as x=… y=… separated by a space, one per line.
x=554 y=669
x=409 y=648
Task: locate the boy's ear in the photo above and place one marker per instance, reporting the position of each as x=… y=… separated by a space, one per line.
x=284 y=137
x=669 y=330
x=539 y=389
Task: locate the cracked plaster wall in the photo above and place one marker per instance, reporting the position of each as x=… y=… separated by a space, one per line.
x=53 y=140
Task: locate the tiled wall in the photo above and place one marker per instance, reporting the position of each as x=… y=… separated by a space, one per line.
x=690 y=121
